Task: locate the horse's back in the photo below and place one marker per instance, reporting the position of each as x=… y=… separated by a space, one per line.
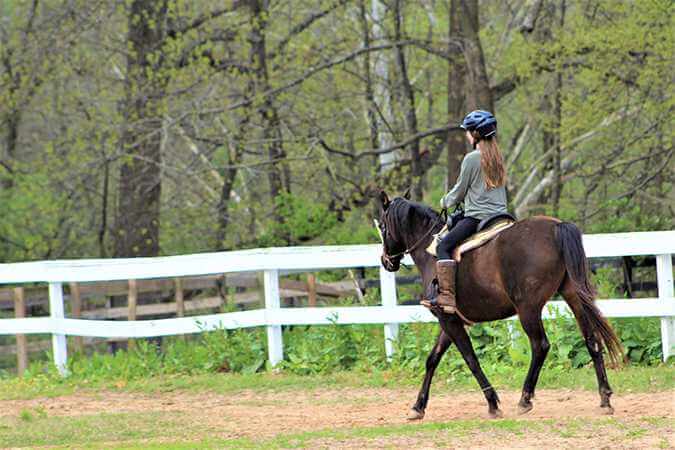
x=521 y=265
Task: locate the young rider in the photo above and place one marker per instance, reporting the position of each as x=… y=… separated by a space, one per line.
x=481 y=187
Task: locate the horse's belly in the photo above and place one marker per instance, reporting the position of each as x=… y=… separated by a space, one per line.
x=481 y=294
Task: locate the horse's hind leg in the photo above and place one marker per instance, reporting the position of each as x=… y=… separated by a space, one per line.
x=455 y=329
x=594 y=347
x=442 y=343
x=534 y=329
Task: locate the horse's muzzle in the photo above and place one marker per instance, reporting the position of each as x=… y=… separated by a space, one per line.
x=390 y=264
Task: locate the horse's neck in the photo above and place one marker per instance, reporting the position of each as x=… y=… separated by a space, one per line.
x=425 y=263
x=419 y=228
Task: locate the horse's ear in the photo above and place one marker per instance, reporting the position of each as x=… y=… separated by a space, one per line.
x=384 y=200
x=406 y=194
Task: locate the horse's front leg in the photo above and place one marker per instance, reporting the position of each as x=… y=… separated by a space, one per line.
x=442 y=343
x=454 y=327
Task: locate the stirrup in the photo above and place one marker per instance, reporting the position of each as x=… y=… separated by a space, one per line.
x=448 y=309
x=433 y=304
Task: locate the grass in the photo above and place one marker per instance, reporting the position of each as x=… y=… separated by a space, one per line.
x=627 y=379
x=87 y=429
x=35 y=427
x=442 y=434
x=176 y=431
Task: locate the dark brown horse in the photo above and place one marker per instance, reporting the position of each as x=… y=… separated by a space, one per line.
x=515 y=273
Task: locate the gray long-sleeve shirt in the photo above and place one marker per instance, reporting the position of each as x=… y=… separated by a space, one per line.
x=479 y=201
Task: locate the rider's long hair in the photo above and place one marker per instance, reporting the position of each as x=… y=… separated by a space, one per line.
x=492 y=163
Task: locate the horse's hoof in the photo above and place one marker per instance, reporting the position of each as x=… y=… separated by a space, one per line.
x=526 y=408
x=414 y=414
x=496 y=414
x=606 y=410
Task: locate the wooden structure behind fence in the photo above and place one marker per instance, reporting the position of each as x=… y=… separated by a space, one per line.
x=247 y=287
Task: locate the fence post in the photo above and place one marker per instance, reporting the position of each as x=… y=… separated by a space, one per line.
x=388 y=291
x=275 y=345
x=132 y=302
x=59 y=347
x=21 y=345
x=76 y=311
x=664 y=280
x=180 y=301
x=311 y=289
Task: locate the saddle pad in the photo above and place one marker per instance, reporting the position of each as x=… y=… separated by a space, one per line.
x=473 y=241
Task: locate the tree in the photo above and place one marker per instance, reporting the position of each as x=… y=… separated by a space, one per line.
x=137 y=218
x=468 y=84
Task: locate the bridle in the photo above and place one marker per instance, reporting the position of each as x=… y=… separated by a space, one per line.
x=388 y=258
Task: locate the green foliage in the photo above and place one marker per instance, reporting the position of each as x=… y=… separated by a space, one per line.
x=33 y=196
x=303 y=220
x=214 y=351
x=641 y=338
x=356 y=228
x=311 y=350
x=606 y=281
x=60 y=177
x=630 y=217
x=332 y=348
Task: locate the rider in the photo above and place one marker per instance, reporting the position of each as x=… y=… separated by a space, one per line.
x=481 y=187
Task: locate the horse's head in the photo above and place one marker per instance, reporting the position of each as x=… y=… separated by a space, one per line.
x=393 y=243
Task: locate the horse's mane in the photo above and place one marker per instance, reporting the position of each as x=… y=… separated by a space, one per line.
x=405 y=216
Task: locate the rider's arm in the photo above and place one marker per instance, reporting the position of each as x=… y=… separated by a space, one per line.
x=470 y=164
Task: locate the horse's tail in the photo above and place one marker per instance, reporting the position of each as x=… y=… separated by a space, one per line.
x=568 y=237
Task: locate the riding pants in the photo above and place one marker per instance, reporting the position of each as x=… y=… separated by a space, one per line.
x=462 y=230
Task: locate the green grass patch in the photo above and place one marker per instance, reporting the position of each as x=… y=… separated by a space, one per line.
x=442 y=434
x=87 y=430
x=628 y=379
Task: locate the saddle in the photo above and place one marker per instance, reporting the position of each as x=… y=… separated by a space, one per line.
x=487 y=230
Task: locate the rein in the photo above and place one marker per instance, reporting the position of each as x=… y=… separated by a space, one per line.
x=408 y=250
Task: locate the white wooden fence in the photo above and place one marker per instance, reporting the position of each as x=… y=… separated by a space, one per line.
x=275 y=260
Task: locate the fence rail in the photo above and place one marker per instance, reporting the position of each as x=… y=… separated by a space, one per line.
x=274 y=261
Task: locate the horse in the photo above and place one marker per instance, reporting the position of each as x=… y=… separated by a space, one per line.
x=516 y=273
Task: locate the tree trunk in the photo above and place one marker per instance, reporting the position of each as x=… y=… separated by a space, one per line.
x=371 y=106
x=456 y=90
x=278 y=176
x=479 y=85
x=11 y=124
x=224 y=204
x=137 y=227
x=233 y=159
x=382 y=103
x=557 y=118
x=468 y=83
x=550 y=108
x=408 y=104
x=103 y=227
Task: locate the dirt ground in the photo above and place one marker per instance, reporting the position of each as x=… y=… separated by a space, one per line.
x=264 y=414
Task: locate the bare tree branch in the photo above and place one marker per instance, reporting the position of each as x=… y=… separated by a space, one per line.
x=531 y=17
x=522 y=197
x=201 y=20
x=638 y=186
x=380 y=151
x=308 y=74
x=504 y=87
x=302 y=26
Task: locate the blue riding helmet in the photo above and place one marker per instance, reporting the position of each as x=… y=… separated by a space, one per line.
x=483 y=122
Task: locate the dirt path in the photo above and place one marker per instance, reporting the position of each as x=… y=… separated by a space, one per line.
x=259 y=415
